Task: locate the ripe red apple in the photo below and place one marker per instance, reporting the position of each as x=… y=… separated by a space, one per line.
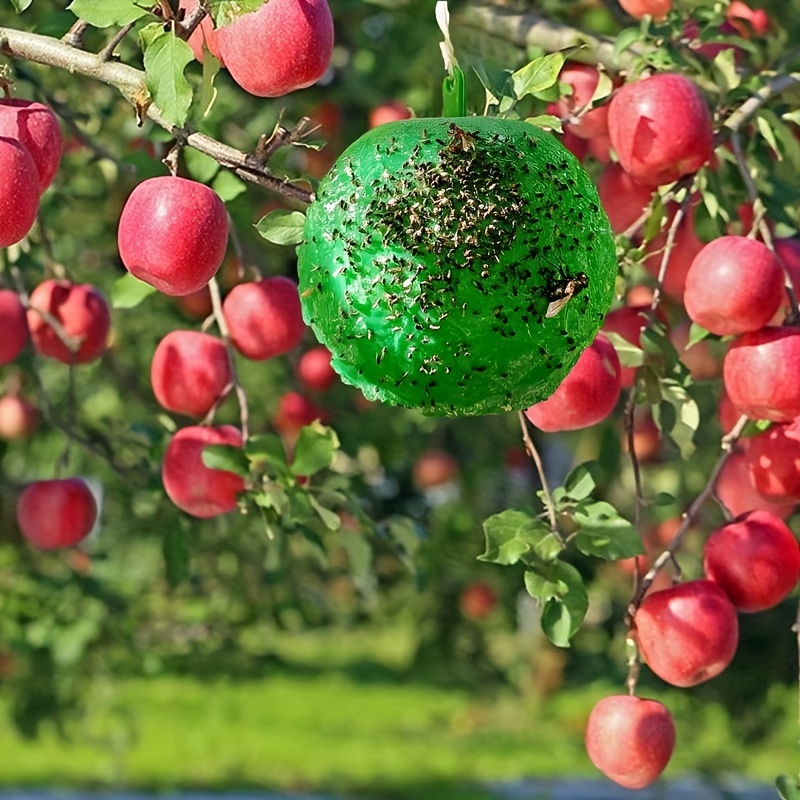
x=19 y=192
x=315 y=371
x=688 y=633
x=755 y=560
x=628 y=322
x=36 y=128
x=773 y=459
x=630 y=739
x=685 y=248
x=285 y=45
x=761 y=376
x=295 y=412
x=477 y=600
x=393 y=111
x=264 y=317
x=787 y=251
x=192 y=486
x=189 y=372
x=196 y=305
x=83 y=313
x=583 y=78
x=748 y=20
x=56 y=513
x=586 y=396
x=577 y=146
x=14 y=324
x=728 y=415
x=734 y=285
x=658 y=9
x=660 y=128
x=433 y=468
x=623 y=199
x=646 y=437
x=18 y=417
x=203 y=34
x=600 y=149
x=737 y=493
x=172 y=234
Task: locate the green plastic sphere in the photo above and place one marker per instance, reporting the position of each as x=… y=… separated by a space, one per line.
x=457 y=265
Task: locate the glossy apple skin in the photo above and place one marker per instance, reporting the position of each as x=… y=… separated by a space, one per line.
x=623 y=199
x=204 y=33
x=193 y=487
x=264 y=317
x=583 y=78
x=314 y=369
x=737 y=493
x=433 y=468
x=734 y=285
x=773 y=461
x=685 y=248
x=36 y=128
x=393 y=111
x=755 y=560
x=660 y=128
x=477 y=600
x=172 y=234
x=19 y=192
x=285 y=45
x=586 y=396
x=761 y=375
x=18 y=417
x=658 y=9
x=189 y=372
x=294 y=412
x=83 y=313
x=688 y=633
x=56 y=513
x=14 y=324
x=630 y=739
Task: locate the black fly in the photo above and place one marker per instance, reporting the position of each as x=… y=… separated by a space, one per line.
x=562 y=290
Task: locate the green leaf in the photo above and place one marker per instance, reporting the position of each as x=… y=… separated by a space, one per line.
x=282 y=226
x=629 y=354
x=108 y=12
x=602 y=532
x=201 y=167
x=225 y=11
x=579 y=484
x=696 y=334
x=547 y=122
x=511 y=534
x=359 y=552
x=724 y=64
x=560 y=587
x=315 y=449
x=228 y=186
x=175 y=549
x=165 y=59
x=792 y=116
x=624 y=39
x=497 y=82
x=208 y=92
x=788 y=787
x=266 y=447
x=765 y=129
x=677 y=416
x=272 y=496
x=128 y=292
x=537 y=75
x=20 y=5
x=226 y=457
x=330 y=519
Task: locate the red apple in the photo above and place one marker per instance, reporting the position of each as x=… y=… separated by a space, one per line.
x=773 y=459
x=748 y=20
x=433 y=468
x=630 y=739
x=660 y=128
x=761 y=376
x=14 y=324
x=737 y=493
x=315 y=371
x=685 y=248
x=393 y=111
x=295 y=412
x=728 y=415
x=190 y=371
x=628 y=322
x=623 y=199
x=477 y=600
x=193 y=487
x=577 y=146
x=35 y=127
x=646 y=437
x=586 y=396
x=734 y=285
x=600 y=149
x=658 y=9
x=18 y=417
x=583 y=78
x=83 y=313
x=56 y=513
x=687 y=634
x=755 y=560
x=196 y=305
x=285 y=45
x=700 y=359
x=204 y=33
x=264 y=317
x=19 y=192
x=787 y=251
x=172 y=234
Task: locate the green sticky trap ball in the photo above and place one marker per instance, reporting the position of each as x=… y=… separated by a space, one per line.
x=457 y=265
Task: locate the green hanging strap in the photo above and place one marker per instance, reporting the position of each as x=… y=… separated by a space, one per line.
x=454 y=94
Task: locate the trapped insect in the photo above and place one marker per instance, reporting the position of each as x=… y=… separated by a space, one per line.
x=563 y=290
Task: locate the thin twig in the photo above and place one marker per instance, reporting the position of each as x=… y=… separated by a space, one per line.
x=770 y=90
x=107 y=53
x=74 y=36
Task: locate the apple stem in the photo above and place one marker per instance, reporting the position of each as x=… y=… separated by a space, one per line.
x=531 y=450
